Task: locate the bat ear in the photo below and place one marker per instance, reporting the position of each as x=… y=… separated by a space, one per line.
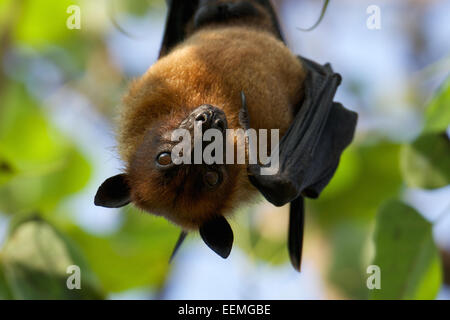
x=217 y=235
x=113 y=193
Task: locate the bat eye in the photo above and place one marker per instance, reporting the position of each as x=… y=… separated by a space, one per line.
x=164 y=159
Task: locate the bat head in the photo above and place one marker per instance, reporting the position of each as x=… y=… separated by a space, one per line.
x=192 y=194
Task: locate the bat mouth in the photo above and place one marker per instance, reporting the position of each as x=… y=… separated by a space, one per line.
x=214 y=176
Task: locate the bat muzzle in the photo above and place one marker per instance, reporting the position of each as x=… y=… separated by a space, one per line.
x=209 y=116
x=212 y=168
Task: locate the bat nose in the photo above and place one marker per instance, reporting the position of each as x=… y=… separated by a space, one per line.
x=211 y=117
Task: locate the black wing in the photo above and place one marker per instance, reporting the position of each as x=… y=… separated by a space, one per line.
x=309 y=152
x=181 y=12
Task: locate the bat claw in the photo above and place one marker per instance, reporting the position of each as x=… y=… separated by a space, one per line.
x=244 y=119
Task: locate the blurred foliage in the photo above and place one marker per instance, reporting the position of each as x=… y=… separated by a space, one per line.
x=406 y=254
x=426 y=161
x=41 y=169
x=405 y=248
x=39 y=157
x=4 y=289
x=137 y=255
x=374 y=176
x=52 y=26
x=247 y=224
x=347 y=270
x=367 y=175
x=383 y=169
x=35 y=260
x=437 y=115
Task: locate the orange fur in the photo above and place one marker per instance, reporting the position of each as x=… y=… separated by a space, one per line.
x=211 y=67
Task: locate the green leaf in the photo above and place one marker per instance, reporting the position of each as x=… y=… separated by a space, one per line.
x=437 y=115
x=43 y=22
x=41 y=166
x=346 y=175
x=426 y=162
x=374 y=175
x=42 y=26
x=406 y=254
x=346 y=270
x=136 y=256
x=35 y=260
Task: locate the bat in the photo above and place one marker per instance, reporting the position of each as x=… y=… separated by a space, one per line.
x=224 y=65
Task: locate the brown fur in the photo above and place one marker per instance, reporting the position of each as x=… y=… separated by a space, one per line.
x=211 y=67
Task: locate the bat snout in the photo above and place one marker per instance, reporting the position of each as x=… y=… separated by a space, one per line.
x=210 y=117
